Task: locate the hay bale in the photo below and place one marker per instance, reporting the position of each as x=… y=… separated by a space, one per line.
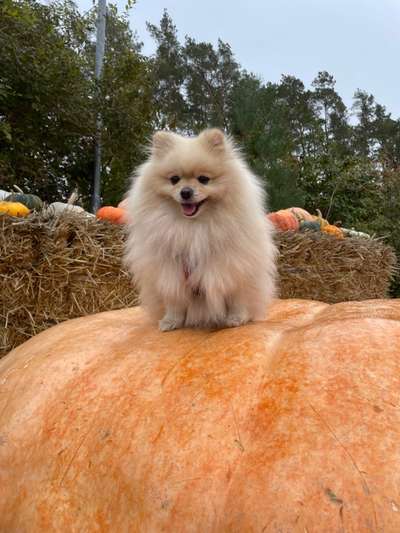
x=56 y=268
x=318 y=266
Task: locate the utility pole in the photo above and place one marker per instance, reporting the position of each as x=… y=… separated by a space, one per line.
x=100 y=43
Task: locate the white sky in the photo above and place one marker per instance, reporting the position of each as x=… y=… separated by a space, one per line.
x=357 y=41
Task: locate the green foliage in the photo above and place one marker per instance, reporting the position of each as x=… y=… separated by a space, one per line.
x=192 y=83
x=299 y=140
x=43 y=92
x=125 y=104
x=168 y=75
x=49 y=100
x=211 y=75
x=258 y=122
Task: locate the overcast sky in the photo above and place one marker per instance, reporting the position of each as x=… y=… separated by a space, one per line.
x=357 y=41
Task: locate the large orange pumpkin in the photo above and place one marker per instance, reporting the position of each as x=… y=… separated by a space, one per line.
x=301 y=214
x=284 y=220
x=291 y=424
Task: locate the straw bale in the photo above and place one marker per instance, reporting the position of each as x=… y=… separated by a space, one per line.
x=56 y=268
x=318 y=266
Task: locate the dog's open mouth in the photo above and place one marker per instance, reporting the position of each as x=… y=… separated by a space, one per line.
x=191 y=209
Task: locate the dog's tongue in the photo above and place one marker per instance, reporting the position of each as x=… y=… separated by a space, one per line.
x=189 y=209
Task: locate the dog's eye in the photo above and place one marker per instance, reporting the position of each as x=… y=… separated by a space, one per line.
x=203 y=179
x=174 y=180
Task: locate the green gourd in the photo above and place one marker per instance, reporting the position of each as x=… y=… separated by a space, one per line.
x=31 y=201
x=310 y=225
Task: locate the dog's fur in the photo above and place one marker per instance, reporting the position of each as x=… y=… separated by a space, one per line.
x=216 y=268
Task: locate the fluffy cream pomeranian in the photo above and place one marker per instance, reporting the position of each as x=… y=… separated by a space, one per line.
x=199 y=244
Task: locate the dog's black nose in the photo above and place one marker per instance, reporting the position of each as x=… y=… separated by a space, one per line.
x=186 y=193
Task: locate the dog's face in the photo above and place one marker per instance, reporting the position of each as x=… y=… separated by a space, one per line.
x=190 y=171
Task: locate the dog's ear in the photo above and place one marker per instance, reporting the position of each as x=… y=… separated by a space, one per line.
x=214 y=139
x=161 y=143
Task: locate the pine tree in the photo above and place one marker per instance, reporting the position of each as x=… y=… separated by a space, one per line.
x=168 y=76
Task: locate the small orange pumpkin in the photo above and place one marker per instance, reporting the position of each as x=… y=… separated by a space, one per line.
x=115 y=215
x=284 y=220
x=333 y=230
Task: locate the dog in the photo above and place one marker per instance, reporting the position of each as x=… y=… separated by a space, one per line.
x=199 y=244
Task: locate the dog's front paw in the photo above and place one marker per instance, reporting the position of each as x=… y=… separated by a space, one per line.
x=233 y=321
x=169 y=324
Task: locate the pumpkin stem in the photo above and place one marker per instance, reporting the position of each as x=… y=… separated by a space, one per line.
x=73 y=198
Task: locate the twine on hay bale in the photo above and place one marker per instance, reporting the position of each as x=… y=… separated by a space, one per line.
x=54 y=269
